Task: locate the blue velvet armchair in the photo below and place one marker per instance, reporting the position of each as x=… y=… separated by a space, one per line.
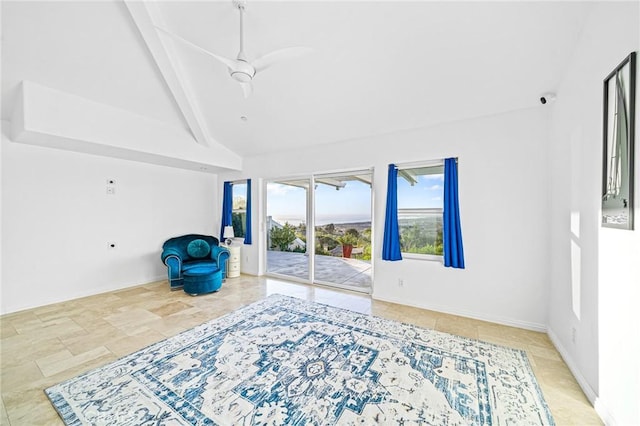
x=190 y=251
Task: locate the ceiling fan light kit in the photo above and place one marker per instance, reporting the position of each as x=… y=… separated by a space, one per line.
x=242 y=70
x=243 y=73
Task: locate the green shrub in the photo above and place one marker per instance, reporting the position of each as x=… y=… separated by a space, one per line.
x=348 y=239
x=281 y=238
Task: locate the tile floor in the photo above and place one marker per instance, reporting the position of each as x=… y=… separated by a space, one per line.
x=43 y=346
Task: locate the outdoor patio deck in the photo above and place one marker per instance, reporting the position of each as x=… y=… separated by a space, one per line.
x=331 y=269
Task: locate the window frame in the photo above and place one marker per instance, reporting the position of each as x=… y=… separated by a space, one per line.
x=420 y=210
x=239 y=211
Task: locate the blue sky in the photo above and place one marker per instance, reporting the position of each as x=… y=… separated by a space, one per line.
x=427 y=193
x=352 y=201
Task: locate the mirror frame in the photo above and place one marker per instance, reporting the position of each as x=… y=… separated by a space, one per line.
x=618 y=145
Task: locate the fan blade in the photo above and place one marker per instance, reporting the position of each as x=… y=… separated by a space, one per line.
x=231 y=63
x=279 y=55
x=247 y=89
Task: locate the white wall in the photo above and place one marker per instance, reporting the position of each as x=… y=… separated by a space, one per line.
x=57 y=220
x=503 y=187
x=594 y=285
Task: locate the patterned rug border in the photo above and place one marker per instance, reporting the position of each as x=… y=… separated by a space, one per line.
x=228 y=320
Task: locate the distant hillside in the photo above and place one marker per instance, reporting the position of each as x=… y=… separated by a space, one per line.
x=360 y=226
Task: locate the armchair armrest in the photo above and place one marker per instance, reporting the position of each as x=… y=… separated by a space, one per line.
x=173 y=259
x=170 y=252
x=219 y=254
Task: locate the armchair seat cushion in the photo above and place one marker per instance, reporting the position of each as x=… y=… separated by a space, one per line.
x=198 y=271
x=195 y=264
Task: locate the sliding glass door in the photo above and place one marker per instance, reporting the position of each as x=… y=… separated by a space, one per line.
x=319 y=229
x=343 y=230
x=286 y=228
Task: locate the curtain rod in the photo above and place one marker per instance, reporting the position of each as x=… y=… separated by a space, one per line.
x=426 y=163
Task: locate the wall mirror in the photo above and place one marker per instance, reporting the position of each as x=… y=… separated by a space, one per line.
x=618 y=134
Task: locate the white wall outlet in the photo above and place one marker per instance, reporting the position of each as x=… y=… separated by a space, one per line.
x=111 y=190
x=573 y=335
x=400 y=282
x=111 y=245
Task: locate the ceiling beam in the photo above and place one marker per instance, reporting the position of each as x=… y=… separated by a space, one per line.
x=409 y=175
x=146 y=15
x=337 y=184
x=302 y=183
x=362 y=178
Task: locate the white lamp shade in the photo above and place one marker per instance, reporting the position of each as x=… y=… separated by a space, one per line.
x=228 y=232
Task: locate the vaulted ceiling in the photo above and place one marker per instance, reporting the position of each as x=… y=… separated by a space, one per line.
x=376 y=66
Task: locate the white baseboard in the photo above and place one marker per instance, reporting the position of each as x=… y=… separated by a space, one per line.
x=85 y=293
x=586 y=388
x=468 y=314
x=602 y=411
x=155 y=279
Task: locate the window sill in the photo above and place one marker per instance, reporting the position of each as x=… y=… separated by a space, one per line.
x=427 y=257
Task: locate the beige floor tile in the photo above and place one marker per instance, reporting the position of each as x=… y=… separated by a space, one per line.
x=44 y=346
x=424 y=322
x=132 y=291
x=202 y=302
x=510 y=343
x=129 y=344
x=53 y=314
x=20 y=376
x=73 y=371
x=31 y=351
x=556 y=372
x=488 y=330
x=189 y=318
x=30 y=407
x=4 y=419
x=169 y=308
x=17 y=344
x=64 y=360
x=16 y=319
x=165 y=326
x=56 y=308
x=7 y=330
x=457 y=327
x=87 y=340
x=131 y=320
x=90 y=318
x=544 y=352
x=569 y=406
x=100 y=300
x=39 y=330
x=155 y=285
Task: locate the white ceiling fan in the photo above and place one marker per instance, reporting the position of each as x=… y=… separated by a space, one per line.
x=241 y=69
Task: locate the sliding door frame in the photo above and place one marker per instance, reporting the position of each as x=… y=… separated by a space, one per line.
x=351 y=172
x=308 y=203
x=310 y=222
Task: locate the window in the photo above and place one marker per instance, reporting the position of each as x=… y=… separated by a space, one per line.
x=239 y=208
x=420 y=202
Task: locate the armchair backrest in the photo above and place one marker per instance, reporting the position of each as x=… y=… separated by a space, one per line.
x=180 y=243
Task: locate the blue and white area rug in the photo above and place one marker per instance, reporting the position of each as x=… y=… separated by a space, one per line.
x=284 y=361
